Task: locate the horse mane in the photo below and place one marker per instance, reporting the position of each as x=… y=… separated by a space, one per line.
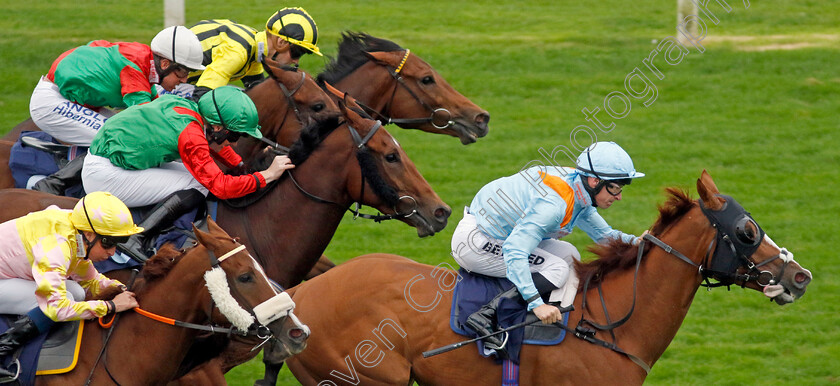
x=617 y=254
x=351 y=55
x=310 y=137
x=159 y=265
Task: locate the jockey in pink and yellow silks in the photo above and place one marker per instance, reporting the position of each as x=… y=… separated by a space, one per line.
x=46 y=266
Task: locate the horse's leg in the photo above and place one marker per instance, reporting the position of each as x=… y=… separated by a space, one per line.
x=271 y=372
x=272 y=365
x=320 y=267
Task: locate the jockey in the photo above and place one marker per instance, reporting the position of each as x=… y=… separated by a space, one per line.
x=69 y=103
x=235 y=51
x=46 y=267
x=136 y=155
x=512 y=226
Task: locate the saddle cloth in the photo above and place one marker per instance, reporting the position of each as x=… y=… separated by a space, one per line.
x=55 y=352
x=476 y=290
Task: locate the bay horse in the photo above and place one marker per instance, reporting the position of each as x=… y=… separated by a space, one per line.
x=289 y=227
x=217 y=274
x=399 y=87
x=400 y=308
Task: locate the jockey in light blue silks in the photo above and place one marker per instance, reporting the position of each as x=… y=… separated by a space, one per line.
x=512 y=225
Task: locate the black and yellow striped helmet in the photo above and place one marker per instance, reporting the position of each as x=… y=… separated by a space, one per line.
x=295 y=26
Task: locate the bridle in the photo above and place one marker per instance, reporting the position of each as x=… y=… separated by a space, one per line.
x=395 y=73
x=732 y=252
x=251 y=322
x=289 y=94
x=361 y=145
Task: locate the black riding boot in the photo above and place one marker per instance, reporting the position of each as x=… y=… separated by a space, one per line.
x=484 y=321
x=22 y=331
x=67 y=177
x=161 y=216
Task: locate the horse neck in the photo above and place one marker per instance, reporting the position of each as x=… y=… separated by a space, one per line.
x=288 y=231
x=370 y=84
x=178 y=295
x=666 y=287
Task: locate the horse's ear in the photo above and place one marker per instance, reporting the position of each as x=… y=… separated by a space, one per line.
x=708 y=192
x=213 y=227
x=385 y=58
x=334 y=91
x=203 y=237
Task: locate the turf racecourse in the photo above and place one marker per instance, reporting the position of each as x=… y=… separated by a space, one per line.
x=757 y=109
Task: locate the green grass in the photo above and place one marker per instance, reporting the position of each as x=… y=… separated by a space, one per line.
x=762 y=121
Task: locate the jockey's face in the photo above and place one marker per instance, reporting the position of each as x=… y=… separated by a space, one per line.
x=604 y=199
x=178 y=75
x=280 y=51
x=98 y=252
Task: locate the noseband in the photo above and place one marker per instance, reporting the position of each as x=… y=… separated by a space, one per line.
x=395 y=73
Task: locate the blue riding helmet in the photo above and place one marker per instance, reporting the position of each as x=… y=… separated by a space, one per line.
x=606 y=161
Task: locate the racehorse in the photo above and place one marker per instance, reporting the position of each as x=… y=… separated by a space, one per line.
x=289 y=227
x=285 y=100
x=400 y=308
x=174 y=284
x=397 y=86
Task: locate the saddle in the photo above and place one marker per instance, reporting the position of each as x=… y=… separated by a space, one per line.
x=474 y=290
x=55 y=352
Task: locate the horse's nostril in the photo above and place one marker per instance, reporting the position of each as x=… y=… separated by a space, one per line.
x=801 y=278
x=296 y=333
x=442 y=213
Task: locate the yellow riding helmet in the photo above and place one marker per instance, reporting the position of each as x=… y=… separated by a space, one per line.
x=296 y=27
x=104 y=214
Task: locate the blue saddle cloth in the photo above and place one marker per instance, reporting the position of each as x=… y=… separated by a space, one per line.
x=476 y=290
x=28 y=357
x=25 y=161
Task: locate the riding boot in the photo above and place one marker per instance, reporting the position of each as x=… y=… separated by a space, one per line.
x=22 y=331
x=67 y=177
x=161 y=216
x=484 y=320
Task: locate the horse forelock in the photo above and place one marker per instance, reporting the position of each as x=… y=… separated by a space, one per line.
x=159 y=265
x=617 y=254
x=310 y=137
x=351 y=55
x=371 y=173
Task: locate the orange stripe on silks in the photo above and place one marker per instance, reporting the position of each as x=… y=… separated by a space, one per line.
x=565 y=191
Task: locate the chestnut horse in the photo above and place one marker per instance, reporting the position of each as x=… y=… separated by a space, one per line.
x=289 y=227
x=399 y=87
x=145 y=351
x=400 y=308
x=284 y=100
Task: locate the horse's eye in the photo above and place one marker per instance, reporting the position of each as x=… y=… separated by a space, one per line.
x=245 y=278
x=391 y=158
x=428 y=80
x=318 y=107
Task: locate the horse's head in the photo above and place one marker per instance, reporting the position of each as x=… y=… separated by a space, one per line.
x=289 y=100
x=406 y=89
x=245 y=297
x=742 y=253
x=382 y=177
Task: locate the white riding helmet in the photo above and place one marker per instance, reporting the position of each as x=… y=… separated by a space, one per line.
x=606 y=161
x=179 y=45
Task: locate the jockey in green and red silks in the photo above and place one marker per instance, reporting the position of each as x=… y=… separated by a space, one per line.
x=70 y=102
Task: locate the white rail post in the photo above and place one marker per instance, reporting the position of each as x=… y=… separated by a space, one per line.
x=685 y=8
x=173 y=12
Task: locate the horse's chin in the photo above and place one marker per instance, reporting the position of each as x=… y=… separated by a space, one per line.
x=779 y=293
x=467 y=133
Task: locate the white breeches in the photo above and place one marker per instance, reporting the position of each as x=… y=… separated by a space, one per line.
x=66 y=121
